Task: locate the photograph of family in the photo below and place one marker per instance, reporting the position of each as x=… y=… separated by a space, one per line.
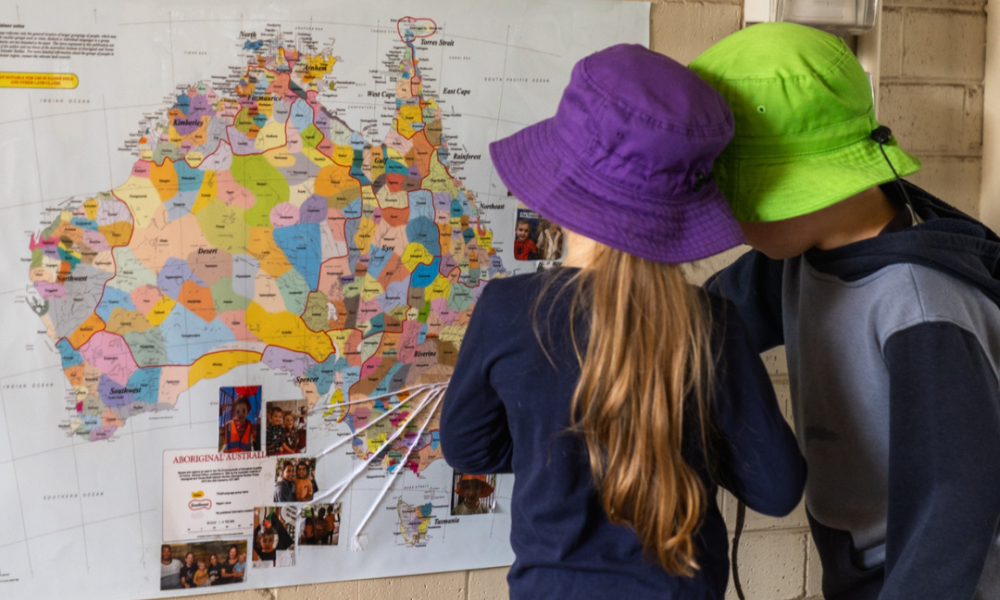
x=286 y=427
x=320 y=525
x=202 y=564
x=295 y=480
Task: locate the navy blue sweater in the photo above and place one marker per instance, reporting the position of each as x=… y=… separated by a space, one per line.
x=507 y=409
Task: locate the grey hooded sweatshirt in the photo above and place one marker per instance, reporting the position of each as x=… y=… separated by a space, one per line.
x=893 y=348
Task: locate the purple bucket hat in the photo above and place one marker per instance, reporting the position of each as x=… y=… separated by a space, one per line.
x=627 y=159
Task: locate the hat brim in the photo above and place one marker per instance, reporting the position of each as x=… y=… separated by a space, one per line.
x=485 y=490
x=538 y=168
x=765 y=189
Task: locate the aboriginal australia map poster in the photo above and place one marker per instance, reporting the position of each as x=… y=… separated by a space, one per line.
x=241 y=242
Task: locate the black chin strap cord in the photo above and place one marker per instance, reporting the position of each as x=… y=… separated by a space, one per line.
x=882 y=135
x=741 y=517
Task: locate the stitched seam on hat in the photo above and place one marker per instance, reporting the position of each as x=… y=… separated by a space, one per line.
x=705 y=133
x=768 y=80
x=805 y=208
x=845 y=53
x=668 y=125
x=638 y=185
x=827 y=150
x=584 y=171
x=608 y=98
x=743 y=141
x=810 y=153
x=595 y=141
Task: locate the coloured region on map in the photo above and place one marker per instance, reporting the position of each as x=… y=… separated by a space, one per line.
x=413 y=521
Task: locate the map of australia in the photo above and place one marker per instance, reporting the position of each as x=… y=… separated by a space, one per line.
x=256 y=226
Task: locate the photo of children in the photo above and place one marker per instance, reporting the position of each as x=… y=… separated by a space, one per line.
x=295 y=480
x=274 y=536
x=535 y=237
x=202 y=564
x=285 y=429
x=321 y=525
x=473 y=494
x=239 y=419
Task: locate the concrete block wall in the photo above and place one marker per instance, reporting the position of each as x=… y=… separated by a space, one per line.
x=932 y=67
x=932 y=64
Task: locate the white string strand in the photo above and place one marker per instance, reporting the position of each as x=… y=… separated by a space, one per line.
x=356 y=544
x=340 y=487
x=415 y=389
x=389 y=412
x=430 y=392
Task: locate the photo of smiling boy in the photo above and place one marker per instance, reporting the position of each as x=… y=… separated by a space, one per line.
x=525 y=247
x=275 y=432
x=284 y=486
x=239 y=415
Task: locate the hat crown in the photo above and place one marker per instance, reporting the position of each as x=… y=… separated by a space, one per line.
x=783 y=80
x=643 y=120
x=804 y=117
x=626 y=158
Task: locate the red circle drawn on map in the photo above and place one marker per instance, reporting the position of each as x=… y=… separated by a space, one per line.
x=400 y=22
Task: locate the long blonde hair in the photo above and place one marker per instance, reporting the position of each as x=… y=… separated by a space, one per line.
x=648 y=353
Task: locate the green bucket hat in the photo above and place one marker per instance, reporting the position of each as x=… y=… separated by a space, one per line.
x=804 y=116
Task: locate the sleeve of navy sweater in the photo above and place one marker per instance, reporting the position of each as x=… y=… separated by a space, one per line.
x=759 y=461
x=475 y=437
x=753 y=284
x=944 y=463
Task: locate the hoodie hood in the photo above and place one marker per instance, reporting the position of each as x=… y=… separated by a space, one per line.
x=948 y=240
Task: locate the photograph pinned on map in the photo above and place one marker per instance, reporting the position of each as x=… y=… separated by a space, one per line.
x=239 y=419
x=320 y=525
x=285 y=428
x=535 y=237
x=473 y=494
x=202 y=564
x=295 y=480
x=274 y=536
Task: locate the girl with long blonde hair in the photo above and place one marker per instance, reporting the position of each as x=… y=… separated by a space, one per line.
x=620 y=395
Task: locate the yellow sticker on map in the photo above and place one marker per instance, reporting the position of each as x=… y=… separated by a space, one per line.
x=56 y=81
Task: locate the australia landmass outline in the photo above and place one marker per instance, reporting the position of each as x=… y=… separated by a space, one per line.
x=256 y=226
